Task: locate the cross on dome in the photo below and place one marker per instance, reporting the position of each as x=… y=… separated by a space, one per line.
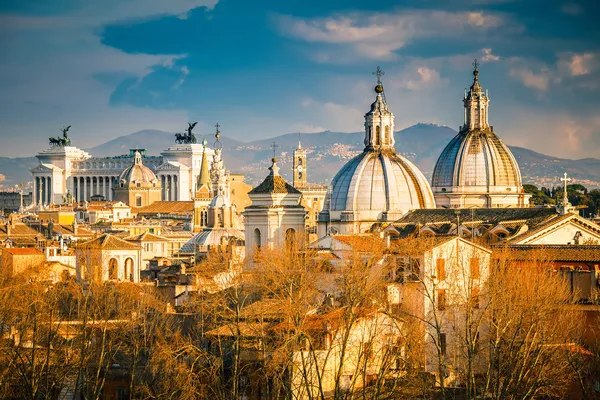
x=218 y=144
x=565 y=180
x=274 y=146
x=379 y=73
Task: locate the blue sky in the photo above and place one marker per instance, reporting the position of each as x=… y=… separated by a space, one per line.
x=263 y=68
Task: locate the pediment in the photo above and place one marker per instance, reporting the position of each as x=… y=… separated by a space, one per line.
x=570 y=229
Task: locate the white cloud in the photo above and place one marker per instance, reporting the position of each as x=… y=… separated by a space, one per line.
x=538 y=80
x=379 y=35
x=577 y=64
x=488 y=56
x=417 y=78
x=559 y=134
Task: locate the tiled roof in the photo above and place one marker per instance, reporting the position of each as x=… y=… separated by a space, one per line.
x=550 y=252
x=247 y=329
x=274 y=184
x=146 y=237
x=361 y=242
x=109 y=242
x=17 y=230
x=23 y=252
x=168 y=207
x=494 y=216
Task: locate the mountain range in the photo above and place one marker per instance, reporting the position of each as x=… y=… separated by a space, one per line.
x=327 y=153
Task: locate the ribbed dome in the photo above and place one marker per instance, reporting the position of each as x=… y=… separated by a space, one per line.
x=380 y=181
x=138 y=173
x=476 y=158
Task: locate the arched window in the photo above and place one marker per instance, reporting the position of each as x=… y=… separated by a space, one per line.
x=138 y=201
x=203 y=218
x=220 y=218
x=386 y=139
x=299 y=161
x=257 y=238
x=290 y=239
x=129 y=269
x=377 y=136
x=113 y=269
x=299 y=175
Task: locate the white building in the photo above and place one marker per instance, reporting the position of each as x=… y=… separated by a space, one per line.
x=108 y=258
x=376 y=186
x=67 y=170
x=276 y=216
x=476 y=169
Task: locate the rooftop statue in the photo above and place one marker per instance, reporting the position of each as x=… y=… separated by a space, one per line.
x=62 y=141
x=186 y=138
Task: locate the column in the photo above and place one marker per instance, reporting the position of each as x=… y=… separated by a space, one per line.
x=42 y=189
x=84 y=188
x=163 y=187
x=34 y=191
x=50 y=190
x=172 y=188
x=176 y=187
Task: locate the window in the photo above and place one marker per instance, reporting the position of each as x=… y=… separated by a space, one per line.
x=290 y=238
x=442 y=343
x=377 y=136
x=474 y=263
x=138 y=201
x=113 y=271
x=475 y=297
x=440 y=269
x=387 y=135
x=257 y=241
x=441 y=303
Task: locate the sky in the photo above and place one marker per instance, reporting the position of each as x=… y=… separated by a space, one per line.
x=264 y=68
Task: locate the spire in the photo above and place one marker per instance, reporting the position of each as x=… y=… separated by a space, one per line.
x=204 y=176
x=299 y=143
x=379 y=121
x=218 y=173
x=476 y=103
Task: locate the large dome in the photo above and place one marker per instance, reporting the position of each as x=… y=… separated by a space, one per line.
x=476 y=158
x=377 y=185
x=380 y=181
x=138 y=174
x=476 y=169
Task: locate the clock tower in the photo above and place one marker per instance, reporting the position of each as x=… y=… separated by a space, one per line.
x=299 y=167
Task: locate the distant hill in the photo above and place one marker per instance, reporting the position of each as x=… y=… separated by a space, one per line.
x=327 y=153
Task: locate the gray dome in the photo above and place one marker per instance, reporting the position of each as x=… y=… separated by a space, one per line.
x=476 y=158
x=138 y=173
x=380 y=181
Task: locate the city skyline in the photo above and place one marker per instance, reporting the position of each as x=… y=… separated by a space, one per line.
x=268 y=69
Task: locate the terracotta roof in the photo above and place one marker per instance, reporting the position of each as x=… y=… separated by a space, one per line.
x=331 y=320
x=17 y=230
x=68 y=230
x=23 y=252
x=146 y=237
x=109 y=242
x=168 y=207
x=551 y=252
x=361 y=243
x=274 y=184
x=247 y=329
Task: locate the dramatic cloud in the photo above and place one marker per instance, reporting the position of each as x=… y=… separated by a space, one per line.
x=538 y=80
x=380 y=35
x=578 y=64
x=59 y=72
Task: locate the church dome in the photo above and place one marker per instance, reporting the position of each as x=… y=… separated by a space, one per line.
x=476 y=158
x=476 y=169
x=378 y=184
x=380 y=181
x=138 y=173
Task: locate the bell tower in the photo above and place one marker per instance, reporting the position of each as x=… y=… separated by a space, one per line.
x=299 y=180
